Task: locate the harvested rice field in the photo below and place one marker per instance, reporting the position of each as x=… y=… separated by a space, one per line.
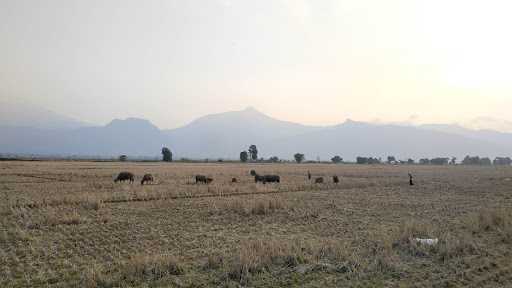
x=67 y=224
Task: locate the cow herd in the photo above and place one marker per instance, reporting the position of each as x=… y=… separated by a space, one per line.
x=202 y=179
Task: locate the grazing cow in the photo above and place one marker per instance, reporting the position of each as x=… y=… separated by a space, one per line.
x=335 y=179
x=267 y=178
x=147 y=178
x=234 y=180
x=319 y=180
x=258 y=178
x=123 y=176
x=203 y=179
x=253 y=173
x=410 y=180
x=309 y=175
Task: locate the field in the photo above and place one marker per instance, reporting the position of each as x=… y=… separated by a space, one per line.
x=67 y=224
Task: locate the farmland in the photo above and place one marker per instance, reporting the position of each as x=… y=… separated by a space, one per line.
x=67 y=224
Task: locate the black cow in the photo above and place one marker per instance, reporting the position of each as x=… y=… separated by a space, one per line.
x=203 y=179
x=319 y=180
x=258 y=178
x=252 y=172
x=335 y=179
x=234 y=180
x=124 y=176
x=147 y=178
x=267 y=178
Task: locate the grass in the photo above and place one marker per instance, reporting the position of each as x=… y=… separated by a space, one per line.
x=267 y=256
x=262 y=205
x=496 y=220
x=62 y=217
x=493 y=220
x=449 y=245
x=66 y=224
x=137 y=270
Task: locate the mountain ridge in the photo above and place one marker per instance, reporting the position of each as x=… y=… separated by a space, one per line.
x=224 y=135
x=25 y=115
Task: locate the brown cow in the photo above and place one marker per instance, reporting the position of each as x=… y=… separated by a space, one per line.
x=147 y=178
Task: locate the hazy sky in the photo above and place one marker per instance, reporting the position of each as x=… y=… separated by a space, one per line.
x=314 y=62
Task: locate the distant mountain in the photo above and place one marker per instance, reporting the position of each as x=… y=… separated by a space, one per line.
x=135 y=137
x=225 y=135
x=479 y=123
x=352 y=139
x=448 y=128
x=27 y=115
x=498 y=138
x=489 y=123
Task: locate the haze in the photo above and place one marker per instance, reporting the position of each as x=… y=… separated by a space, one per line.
x=313 y=62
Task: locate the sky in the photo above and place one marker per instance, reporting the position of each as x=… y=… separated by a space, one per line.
x=313 y=62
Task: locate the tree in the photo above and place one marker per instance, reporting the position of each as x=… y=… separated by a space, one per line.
x=475 y=160
x=505 y=161
x=336 y=159
x=274 y=159
x=391 y=159
x=410 y=161
x=253 y=152
x=298 y=157
x=485 y=161
x=469 y=160
x=362 y=160
x=166 y=154
x=453 y=161
x=244 y=156
x=439 y=161
x=123 y=158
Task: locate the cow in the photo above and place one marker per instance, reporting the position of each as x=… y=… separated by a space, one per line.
x=335 y=179
x=252 y=172
x=319 y=180
x=124 y=176
x=258 y=178
x=267 y=178
x=234 y=180
x=147 y=178
x=410 y=180
x=309 y=175
x=203 y=179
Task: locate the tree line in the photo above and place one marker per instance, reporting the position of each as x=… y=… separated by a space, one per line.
x=251 y=154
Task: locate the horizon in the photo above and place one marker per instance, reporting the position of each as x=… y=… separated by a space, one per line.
x=300 y=61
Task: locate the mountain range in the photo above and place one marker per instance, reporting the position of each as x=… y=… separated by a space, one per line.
x=225 y=135
x=28 y=115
